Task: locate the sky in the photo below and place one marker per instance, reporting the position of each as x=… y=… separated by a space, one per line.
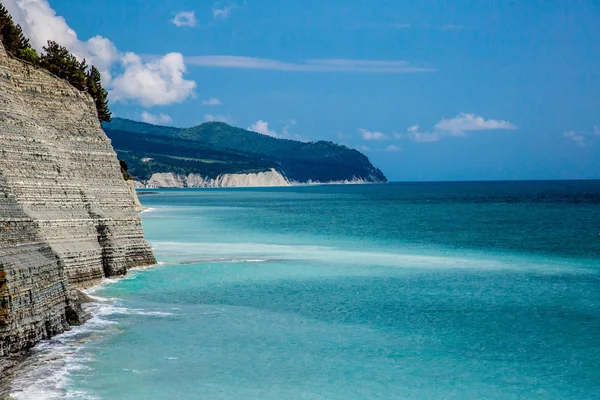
x=428 y=90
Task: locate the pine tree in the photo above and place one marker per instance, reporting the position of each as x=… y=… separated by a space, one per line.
x=14 y=40
x=98 y=93
x=57 y=60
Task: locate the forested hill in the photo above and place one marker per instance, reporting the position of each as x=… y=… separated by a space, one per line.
x=215 y=148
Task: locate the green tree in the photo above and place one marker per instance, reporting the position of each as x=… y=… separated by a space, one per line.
x=125 y=170
x=14 y=40
x=29 y=55
x=56 y=59
x=98 y=93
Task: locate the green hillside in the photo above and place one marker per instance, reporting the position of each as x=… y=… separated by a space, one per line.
x=216 y=148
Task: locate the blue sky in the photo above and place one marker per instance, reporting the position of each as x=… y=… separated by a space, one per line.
x=429 y=90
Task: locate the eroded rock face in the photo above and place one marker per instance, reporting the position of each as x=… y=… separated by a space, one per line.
x=261 y=179
x=67 y=217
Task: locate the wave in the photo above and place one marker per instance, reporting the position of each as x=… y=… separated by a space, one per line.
x=46 y=373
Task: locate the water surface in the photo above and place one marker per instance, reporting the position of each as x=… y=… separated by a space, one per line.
x=399 y=291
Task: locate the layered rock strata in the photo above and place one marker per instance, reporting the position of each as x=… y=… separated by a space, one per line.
x=67 y=217
x=261 y=179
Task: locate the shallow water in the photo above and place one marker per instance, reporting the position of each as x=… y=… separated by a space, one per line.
x=400 y=291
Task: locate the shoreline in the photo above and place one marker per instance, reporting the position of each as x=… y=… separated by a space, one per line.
x=11 y=365
x=142 y=186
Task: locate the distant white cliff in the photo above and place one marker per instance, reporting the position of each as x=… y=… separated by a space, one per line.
x=172 y=180
x=353 y=181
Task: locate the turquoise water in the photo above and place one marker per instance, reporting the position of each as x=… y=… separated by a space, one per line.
x=399 y=291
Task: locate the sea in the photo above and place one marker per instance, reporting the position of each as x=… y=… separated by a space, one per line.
x=466 y=290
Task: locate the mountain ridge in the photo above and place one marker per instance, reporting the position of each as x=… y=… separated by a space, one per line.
x=215 y=148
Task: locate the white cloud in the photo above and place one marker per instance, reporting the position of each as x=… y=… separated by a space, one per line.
x=580 y=140
x=369 y=135
x=393 y=148
x=286 y=132
x=262 y=127
x=160 y=119
x=414 y=133
x=459 y=125
x=217 y=118
x=286 y=128
x=211 y=102
x=103 y=54
x=40 y=23
x=583 y=138
x=184 y=19
x=159 y=82
x=222 y=9
x=363 y=148
x=311 y=65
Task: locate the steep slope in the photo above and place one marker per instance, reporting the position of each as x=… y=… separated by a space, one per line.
x=67 y=217
x=213 y=149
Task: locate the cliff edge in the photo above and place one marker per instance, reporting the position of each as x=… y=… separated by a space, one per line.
x=67 y=217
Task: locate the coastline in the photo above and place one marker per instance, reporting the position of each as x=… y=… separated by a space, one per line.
x=9 y=367
x=140 y=185
x=25 y=361
x=100 y=360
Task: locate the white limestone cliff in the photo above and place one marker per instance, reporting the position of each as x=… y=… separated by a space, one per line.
x=260 y=179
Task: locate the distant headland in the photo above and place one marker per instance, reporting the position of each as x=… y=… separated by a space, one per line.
x=215 y=154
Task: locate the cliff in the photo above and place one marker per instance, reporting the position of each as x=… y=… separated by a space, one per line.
x=67 y=217
x=260 y=179
x=215 y=150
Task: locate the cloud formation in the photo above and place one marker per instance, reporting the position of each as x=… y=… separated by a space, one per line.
x=160 y=119
x=158 y=82
x=414 y=133
x=310 y=65
x=580 y=140
x=40 y=23
x=463 y=123
x=185 y=19
x=370 y=135
x=393 y=148
x=222 y=9
x=583 y=138
x=262 y=127
x=213 y=101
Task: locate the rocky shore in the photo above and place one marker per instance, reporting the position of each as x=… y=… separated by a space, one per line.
x=68 y=218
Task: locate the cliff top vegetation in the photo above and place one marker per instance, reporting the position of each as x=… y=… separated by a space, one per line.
x=57 y=60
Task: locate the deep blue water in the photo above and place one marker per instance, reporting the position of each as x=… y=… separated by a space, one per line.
x=398 y=291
